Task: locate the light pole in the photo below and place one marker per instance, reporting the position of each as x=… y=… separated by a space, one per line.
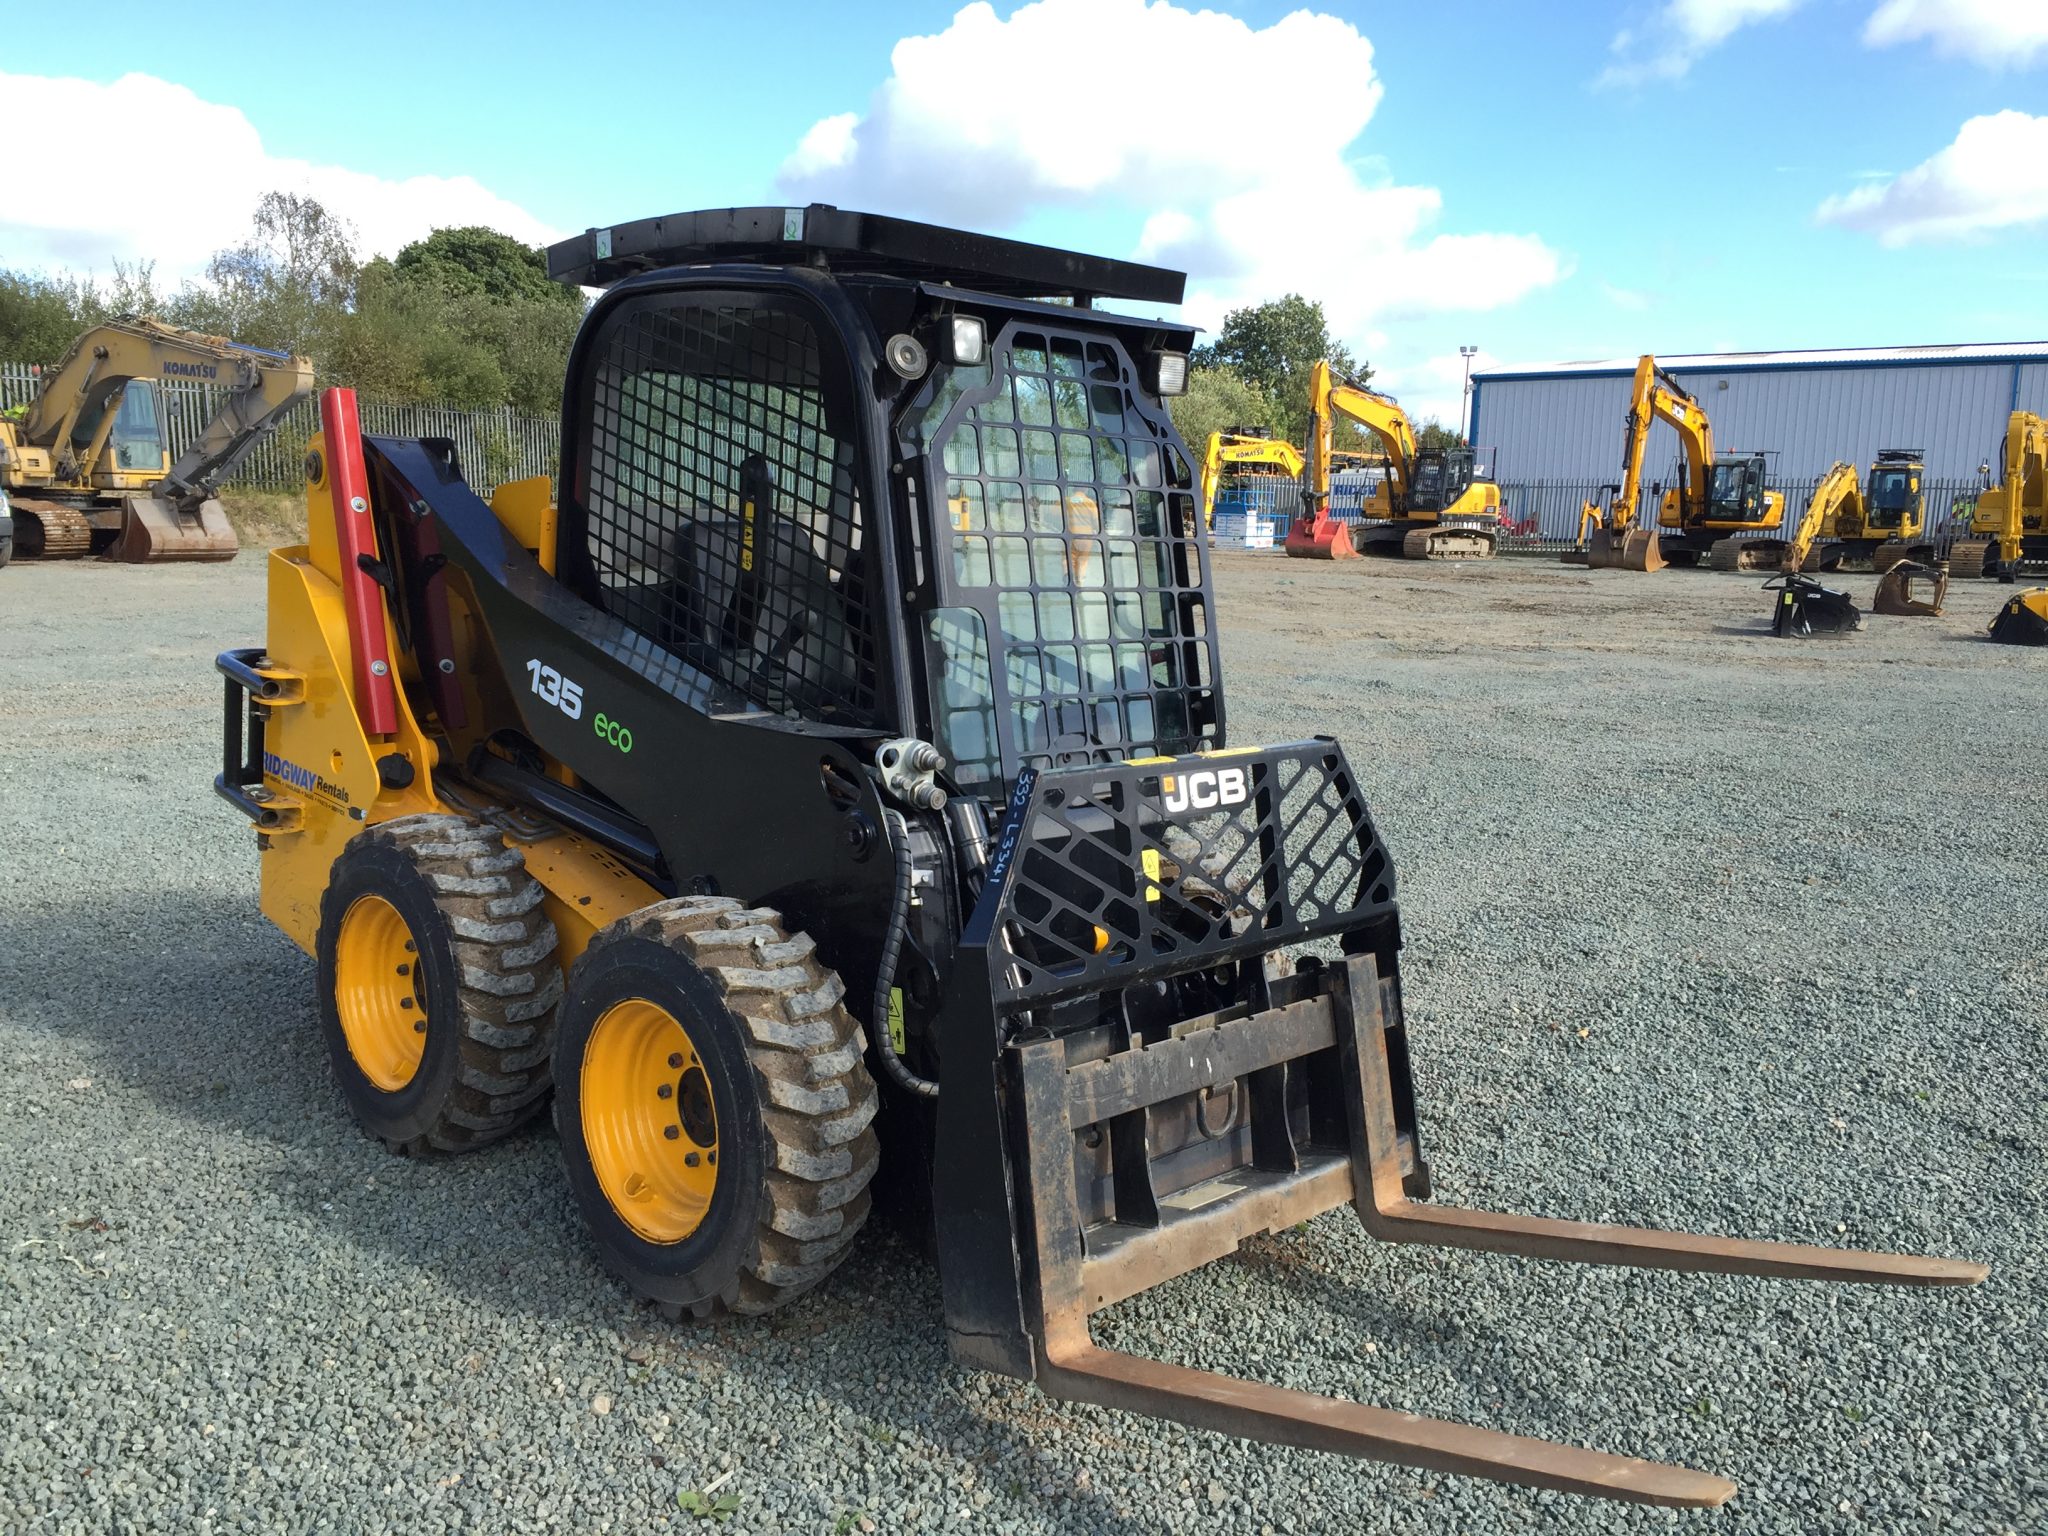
x=1465 y=399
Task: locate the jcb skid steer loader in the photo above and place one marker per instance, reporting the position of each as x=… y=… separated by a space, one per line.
x=843 y=752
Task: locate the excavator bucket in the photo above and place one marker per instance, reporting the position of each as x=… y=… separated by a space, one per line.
x=1320 y=538
x=2023 y=620
x=153 y=529
x=1075 y=1170
x=1896 y=590
x=1636 y=550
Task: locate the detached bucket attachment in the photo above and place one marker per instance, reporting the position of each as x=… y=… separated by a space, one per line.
x=1896 y=595
x=1321 y=538
x=2024 y=620
x=154 y=529
x=1636 y=550
x=1094 y=1146
x=1804 y=608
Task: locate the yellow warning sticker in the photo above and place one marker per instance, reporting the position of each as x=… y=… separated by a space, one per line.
x=896 y=1020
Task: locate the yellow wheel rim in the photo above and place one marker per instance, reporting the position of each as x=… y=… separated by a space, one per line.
x=648 y=1121
x=379 y=993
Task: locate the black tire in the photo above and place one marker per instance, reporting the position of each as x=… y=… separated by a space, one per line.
x=486 y=979
x=792 y=1097
x=6 y=550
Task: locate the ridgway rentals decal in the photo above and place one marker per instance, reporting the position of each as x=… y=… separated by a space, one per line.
x=291 y=774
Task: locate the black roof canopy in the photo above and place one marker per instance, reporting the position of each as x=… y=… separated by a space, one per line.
x=852 y=242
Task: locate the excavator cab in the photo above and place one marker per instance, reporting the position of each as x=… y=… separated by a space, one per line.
x=134 y=452
x=1440 y=477
x=1736 y=490
x=1892 y=497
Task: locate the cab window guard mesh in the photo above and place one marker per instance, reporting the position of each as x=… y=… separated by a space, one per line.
x=1073 y=532
x=723 y=518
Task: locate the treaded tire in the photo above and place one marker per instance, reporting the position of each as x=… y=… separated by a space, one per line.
x=793 y=1097
x=489 y=982
x=6 y=550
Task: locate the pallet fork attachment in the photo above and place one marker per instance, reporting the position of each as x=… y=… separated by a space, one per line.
x=1319 y=1095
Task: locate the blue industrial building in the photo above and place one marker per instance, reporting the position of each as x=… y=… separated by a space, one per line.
x=1563 y=423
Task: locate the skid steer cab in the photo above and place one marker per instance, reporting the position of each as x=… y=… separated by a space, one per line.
x=832 y=777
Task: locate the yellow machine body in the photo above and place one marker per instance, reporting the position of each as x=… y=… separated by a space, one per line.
x=2009 y=524
x=321 y=778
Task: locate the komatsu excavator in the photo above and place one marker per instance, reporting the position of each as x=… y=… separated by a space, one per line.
x=1437 y=505
x=2009 y=526
x=86 y=467
x=1243 y=453
x=1716 y=498
x=1885 y=524
x=750 y=798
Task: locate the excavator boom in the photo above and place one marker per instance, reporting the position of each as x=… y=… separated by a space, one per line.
x=1608 y=536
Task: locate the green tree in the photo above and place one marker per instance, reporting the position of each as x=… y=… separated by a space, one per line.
x=1219 y=399
x=1274 y=346
x=288 y=286
x=479 y=261
x=1434 y=434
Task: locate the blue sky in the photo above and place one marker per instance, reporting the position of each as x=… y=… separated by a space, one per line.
x=1541 y=181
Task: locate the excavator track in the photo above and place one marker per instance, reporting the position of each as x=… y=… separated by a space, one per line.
x=1889 y=554
x=60 y=532
x=1967 y=559
x=1451 y=541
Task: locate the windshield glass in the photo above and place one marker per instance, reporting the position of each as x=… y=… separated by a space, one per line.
x=135 y=442
x=1734 y=492
x=1891 y=493
x=1071 y=540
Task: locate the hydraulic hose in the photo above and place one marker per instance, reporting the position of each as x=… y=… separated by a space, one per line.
x=893 y=1066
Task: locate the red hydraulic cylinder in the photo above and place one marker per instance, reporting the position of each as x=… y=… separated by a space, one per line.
x=355 y=535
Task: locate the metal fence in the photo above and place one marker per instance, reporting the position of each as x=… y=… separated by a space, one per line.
x=494 y=446
x=1542 y=516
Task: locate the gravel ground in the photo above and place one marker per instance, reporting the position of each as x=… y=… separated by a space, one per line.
x=1704 y=929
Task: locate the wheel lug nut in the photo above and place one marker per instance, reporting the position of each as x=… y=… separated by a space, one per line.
x=671 y=1132
x=419 y=1026
x=664 y=1091
x=405 y=1002
x=711 y=1157
x=409 y=947
x=690 y=1160
x=675 y=1060
x=405 y=970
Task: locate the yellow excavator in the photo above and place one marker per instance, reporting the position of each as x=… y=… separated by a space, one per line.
x=1886 y=524
x=1246 y=453
x=2010 y=523
x=86 y=468
x=1838 y=497
x=1716 y=498
x=1437 y=506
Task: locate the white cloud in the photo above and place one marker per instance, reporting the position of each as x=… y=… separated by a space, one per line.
x=993 y=115
x=1998 y=34
x=1666 y=47
x=203 y=167
x=1994 y=176
x=1251 y=203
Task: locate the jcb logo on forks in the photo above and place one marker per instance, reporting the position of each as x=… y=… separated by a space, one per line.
x=1204 y=790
